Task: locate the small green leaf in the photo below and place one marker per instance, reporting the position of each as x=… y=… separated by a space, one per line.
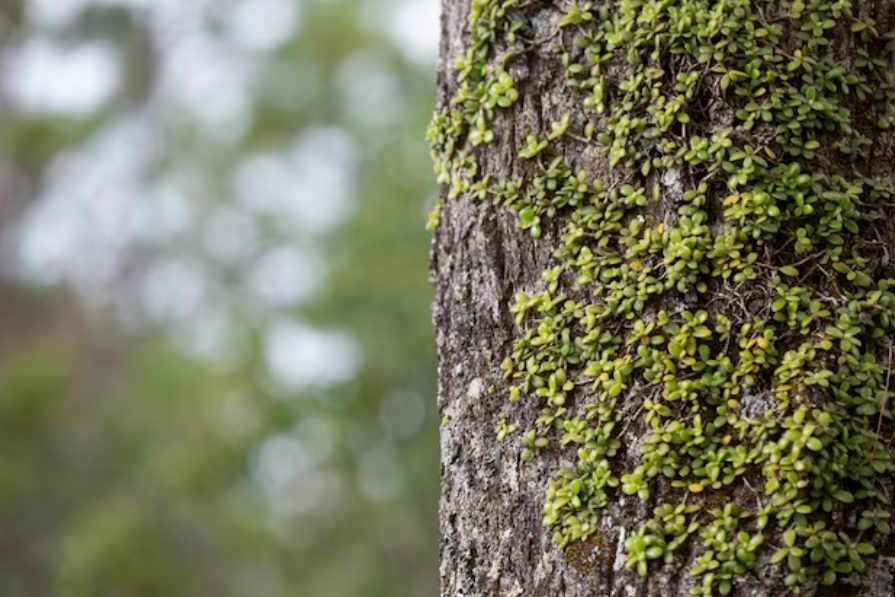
x=844 y=496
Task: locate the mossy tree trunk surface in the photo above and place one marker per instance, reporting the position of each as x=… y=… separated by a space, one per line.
x=665 y=310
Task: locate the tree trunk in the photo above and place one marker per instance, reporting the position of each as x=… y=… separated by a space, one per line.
x=709 y=396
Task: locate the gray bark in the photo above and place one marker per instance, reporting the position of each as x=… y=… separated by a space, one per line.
x=493 y=542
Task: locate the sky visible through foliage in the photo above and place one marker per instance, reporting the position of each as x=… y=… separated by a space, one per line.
x=216 y=356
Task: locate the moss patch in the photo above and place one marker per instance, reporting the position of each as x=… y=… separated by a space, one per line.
x=591 y=555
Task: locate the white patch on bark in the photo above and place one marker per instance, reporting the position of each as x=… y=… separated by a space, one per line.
x=620 y=549
x=674 y=184
x=461 y=405
x=510 y=471
x=549 y=561
x=476 y=389
x=756 y=403
x=879 y=579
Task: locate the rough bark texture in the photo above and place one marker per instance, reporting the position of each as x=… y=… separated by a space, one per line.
x=493 y=542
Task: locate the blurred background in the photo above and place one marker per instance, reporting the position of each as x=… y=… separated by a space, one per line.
x=217 y=367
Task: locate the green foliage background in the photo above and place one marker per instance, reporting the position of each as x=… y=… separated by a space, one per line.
x=130 y=460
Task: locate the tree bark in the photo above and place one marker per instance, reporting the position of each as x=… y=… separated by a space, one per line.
x=493 y=541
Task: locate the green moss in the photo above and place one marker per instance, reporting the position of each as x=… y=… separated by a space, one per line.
x=779 y=389
x=593 y=555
